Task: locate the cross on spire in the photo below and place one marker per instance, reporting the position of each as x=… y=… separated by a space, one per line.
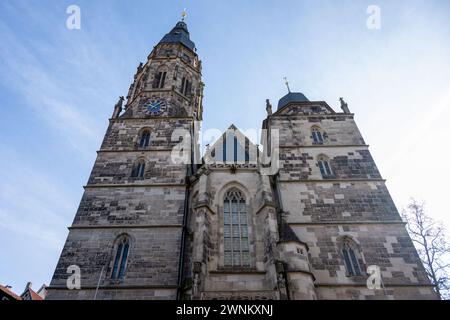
x=183 y=15
x=286 y=82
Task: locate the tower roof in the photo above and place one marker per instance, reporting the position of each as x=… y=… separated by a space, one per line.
x=291 y=97
x=179 y=34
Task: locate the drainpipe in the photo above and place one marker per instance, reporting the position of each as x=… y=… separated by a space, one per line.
x=189 y=171
x=183 y=239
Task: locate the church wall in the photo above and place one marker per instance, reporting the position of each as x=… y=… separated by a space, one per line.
x=219 y=278
x=346 y=163
x=131 y=206
x=116 y=168
x=385 y=245
x=337 y=201
x=362 y=293
x=153 y=257
x=296 y=130
x=123 y=134
x=114 y=294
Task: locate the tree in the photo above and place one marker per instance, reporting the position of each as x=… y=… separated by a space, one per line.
x=431 y=244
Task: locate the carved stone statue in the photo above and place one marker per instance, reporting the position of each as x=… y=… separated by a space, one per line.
x=195 y=285
x=197 y=269
x=268 y=107
x=344 y=105
x=281 y=281
x=118 y=107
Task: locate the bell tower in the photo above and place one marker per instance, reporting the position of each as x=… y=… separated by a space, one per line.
x=169 y=84
x=127 y=237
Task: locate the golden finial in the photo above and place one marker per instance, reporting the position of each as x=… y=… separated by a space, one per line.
x=183 y=14
x=286 y=82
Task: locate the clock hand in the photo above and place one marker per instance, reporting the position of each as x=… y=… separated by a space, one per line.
x=158 y=104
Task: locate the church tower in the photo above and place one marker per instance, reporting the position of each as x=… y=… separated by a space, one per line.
x=126 y=239
x=303 y=217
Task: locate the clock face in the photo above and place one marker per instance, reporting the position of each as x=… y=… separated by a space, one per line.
x=155 y=106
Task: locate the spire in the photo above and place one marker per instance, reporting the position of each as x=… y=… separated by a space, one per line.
x=179 y=34
x=286 y=82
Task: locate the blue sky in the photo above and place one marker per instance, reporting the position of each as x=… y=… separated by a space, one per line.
x=58 y=88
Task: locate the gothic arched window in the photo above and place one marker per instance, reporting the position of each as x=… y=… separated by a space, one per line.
x=186 y=86
x=139 y=169
x=122 y=250
x=235 y=230
x=159 y=80
x=324 y=166
x=350 y=254
x=317 y=135
x=144 y=142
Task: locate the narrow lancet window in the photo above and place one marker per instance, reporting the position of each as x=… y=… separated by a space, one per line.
x=159 y=80
x=120 y=259
x=138 y=170
x=350 y=259
x=317 y=135
x=145 y=139
x=324 y=166
x=236 y=241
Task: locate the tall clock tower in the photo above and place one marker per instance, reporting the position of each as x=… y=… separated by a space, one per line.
x=127 y=238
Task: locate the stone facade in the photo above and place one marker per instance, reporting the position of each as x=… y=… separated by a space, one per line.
x=227 y=228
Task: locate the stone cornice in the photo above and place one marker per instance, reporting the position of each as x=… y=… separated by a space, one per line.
x=213 y=167
x=306 y=116
x=135 y=150
x=266 y=204
x=332 y=180
x=362 y=222
x=364 y=284
x=324 y=146
x=116 y=287
x=301 y=271
x=127 y=226
x=130 y=185
x=242 y=271
x=153 y=118
x=204 y=205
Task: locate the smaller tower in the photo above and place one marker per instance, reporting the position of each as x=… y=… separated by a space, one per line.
x=296 y=268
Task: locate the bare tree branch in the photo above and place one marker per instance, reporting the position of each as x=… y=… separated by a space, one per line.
x=432 y=247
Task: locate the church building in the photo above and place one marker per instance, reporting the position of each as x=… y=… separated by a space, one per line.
x=303 y=215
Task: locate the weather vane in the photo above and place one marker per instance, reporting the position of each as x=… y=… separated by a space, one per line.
x=183 y=15
x=287 y=84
